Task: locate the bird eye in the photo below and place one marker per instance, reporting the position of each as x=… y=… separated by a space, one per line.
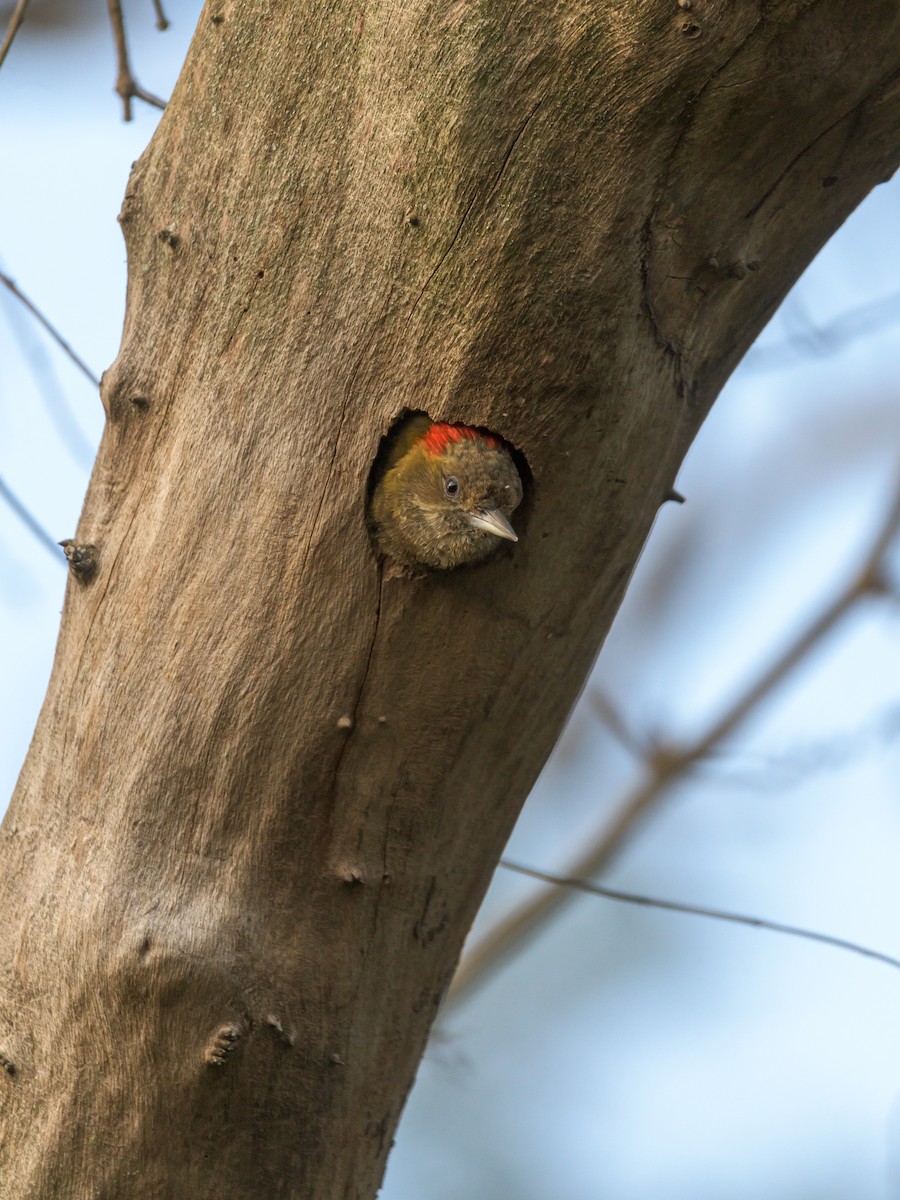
x=451 y=486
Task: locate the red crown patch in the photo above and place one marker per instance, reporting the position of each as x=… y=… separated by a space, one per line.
x=442 y=435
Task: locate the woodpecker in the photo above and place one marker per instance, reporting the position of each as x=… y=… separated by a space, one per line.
x=445 y=495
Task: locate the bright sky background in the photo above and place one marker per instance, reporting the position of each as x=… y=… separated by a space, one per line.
x=630 y=1054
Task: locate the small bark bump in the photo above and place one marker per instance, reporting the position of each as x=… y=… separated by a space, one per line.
x=222 y=1043
x=288 y=1037
x=128 y=210
x=7 y=1065
x=124 y=391
x=345 y=722
x=351 y=876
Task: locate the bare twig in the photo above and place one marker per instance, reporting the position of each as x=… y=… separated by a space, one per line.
x=37 y=356
x=667 y=765
x=126 y=85
x=821 y=341
x=18 y=16
x=57 y=337
x=161 y=20
x=612 y=718
x=790 y=767
x=717 y=914
x=29 y=521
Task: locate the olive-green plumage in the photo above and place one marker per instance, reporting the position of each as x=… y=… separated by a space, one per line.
x=445 y=496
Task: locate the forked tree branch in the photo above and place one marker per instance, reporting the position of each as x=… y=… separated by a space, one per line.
x=127 y=87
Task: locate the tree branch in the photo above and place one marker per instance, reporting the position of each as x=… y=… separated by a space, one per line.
x=162 y=22
x=18 y=16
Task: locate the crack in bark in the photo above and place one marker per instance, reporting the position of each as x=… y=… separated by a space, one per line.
x=855 y=110
x=854 y=113
x=420 y=932
x=659 y=337
x=245 y=308
x=371 y=651
x=647 y=232
x=687 y=117
x=468 y=209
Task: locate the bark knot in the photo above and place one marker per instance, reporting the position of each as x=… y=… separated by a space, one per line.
x=222 y=1044
x=83 y=559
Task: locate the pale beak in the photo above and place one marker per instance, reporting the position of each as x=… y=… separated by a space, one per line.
x=492 y=520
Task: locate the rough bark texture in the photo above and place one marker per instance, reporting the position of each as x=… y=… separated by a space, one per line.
x=228 y=912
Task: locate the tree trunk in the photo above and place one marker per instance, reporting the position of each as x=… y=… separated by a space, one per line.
x=272 y=777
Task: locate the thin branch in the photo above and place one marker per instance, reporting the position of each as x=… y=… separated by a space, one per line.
x=127 y=87
x=29 y=521
x=822 y=341
x=162 y=22
x=12 y=29
x=36 y=354
x=667 y=765
x=612 y=718
x=716 y=914
x=790 y=767
x=57 y=337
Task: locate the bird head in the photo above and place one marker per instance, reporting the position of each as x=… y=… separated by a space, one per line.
x=446 y=496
